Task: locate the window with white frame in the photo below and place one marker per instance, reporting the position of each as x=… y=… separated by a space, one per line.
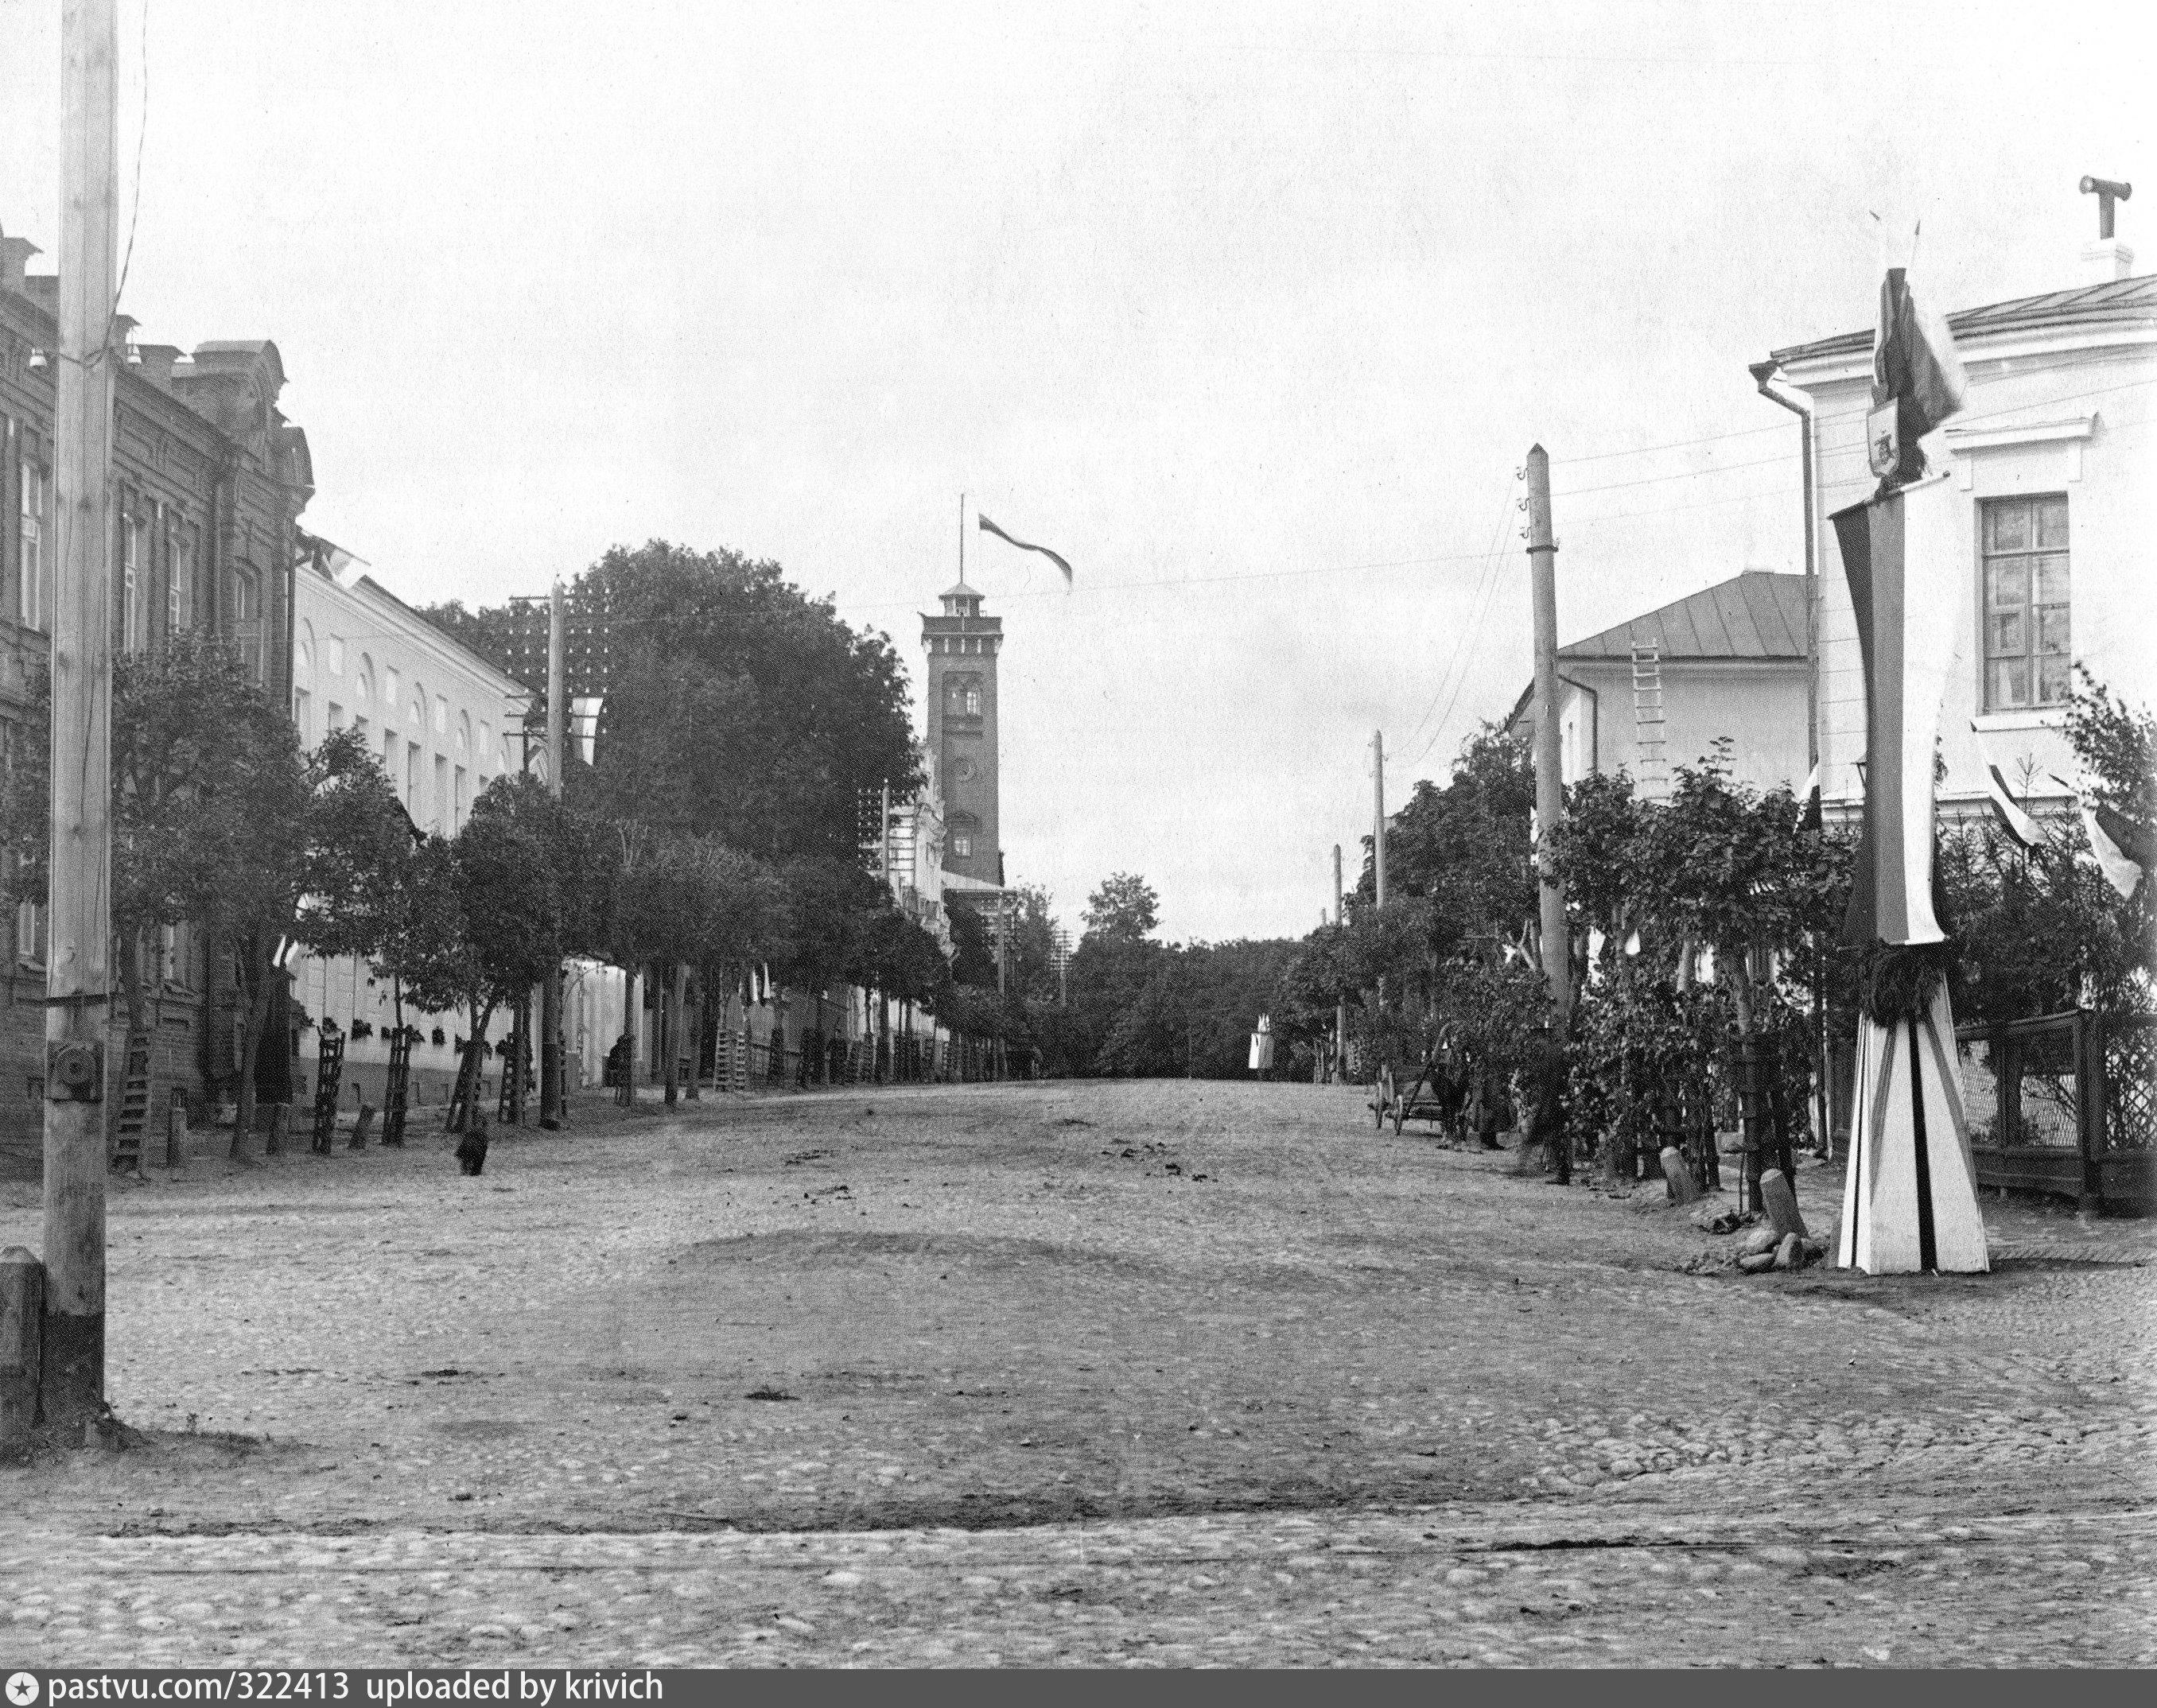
x=30 y=933
x=2023 y=542
x=134 y=583
x=180 y=582
x=31 y=487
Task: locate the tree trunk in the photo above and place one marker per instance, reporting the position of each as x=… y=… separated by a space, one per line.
x=250 y=1046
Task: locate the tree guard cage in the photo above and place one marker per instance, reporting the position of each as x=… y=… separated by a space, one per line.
x=329 y=1083
x=397 y=1084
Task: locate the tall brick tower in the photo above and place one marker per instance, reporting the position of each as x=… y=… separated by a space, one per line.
x=962 y=646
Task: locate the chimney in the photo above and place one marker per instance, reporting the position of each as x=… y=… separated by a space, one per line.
x=2107 y=259
x=120 y=333
x=154 y=362
x=15 y=252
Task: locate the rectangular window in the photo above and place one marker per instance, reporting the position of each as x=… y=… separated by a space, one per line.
x=962 y=847
x=303 y=712
x=30 y=587
x=2026 y=655
x=336 y=718
x=247 y=622
x=30 y=933
x=412 y=779
x=457 y=802
x=442 y=797
x=134 y=576
x=390 y=756
x=180 y=585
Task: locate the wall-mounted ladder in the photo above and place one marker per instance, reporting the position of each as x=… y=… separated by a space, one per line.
x=1652 y=777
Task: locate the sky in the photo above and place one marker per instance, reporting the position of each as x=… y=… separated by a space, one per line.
x=1252 y=311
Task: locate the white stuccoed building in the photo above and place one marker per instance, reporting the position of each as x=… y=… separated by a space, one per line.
x=2052 y=455
x=444 y=723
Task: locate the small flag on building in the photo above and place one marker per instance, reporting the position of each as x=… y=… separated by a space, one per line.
x=1917 y=381
x=2017 y=823
x=1057 y=558
x=2123 y=848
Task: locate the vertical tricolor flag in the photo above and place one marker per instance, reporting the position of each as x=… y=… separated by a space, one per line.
x=1918 y=380
x=1055 y=558
x=1902 y=555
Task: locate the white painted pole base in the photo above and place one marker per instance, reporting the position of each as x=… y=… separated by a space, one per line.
x=1910 y=1203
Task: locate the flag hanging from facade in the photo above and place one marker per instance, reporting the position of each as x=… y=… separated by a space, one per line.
x=1902 y=554
x=2120 y=846
x=2017 y=823
x=1055 y=558
x=1917 y=381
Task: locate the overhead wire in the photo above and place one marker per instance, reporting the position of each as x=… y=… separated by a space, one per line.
x=1460 y=635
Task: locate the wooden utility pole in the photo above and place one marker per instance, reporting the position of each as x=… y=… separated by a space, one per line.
x=1340 y=1009
x=1378 y=813
x=1550 y=786
x=78 y=981
x=554 y=1100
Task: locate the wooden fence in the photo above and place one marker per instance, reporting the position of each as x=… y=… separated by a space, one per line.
x=2065 y=1103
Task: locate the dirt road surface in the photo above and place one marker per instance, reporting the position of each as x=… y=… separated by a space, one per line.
x=1157 y=1373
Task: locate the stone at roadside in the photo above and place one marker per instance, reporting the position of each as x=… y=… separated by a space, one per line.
x=1761 y=1239
x=1679 y=1176
x=1781 y=1203
x=1757 y=1261
x=1790 y=1253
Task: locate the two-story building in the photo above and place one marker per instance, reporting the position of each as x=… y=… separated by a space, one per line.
x=444 y=723
x=2051 y=457
x=210 y=480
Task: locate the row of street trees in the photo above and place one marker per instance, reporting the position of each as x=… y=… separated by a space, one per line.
x=713 y=832
x=1707 y=928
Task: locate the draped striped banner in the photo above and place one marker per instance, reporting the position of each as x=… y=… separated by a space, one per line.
x=1906 y=557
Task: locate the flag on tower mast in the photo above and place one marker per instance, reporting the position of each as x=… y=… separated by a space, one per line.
x=1055 y=558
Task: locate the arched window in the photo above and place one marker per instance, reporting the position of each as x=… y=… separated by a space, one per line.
x=363 y=682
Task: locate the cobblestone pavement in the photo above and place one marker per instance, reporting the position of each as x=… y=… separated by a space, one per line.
x=1158 y=1373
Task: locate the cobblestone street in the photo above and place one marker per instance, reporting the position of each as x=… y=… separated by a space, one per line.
x=1162 y=1373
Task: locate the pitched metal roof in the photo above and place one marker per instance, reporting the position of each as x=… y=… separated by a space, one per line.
x=2117 y=301
x=1755 y=615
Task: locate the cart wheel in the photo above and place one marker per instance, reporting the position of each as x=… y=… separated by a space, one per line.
x=1381 y=1098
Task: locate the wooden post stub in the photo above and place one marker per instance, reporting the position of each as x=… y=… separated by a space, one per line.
x=1674 y=1171
x=363 y=1125
x=1780 y=1203
x=176 y=1133
x=21 y=1321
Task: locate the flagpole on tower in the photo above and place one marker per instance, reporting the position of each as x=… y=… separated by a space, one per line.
x=962 y=536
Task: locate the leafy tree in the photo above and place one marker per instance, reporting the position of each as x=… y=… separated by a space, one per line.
x=1124 y=909
x=739 y=707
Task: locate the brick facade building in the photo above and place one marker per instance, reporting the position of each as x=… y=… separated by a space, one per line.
x=210 y=481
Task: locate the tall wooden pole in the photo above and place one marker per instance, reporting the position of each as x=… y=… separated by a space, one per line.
x=1340 y=1009
x=1550 y=786
x=1378 y=814
x=78 y=980
x=553 y=1097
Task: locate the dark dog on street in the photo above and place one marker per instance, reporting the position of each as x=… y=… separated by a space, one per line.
x=471 y=1149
